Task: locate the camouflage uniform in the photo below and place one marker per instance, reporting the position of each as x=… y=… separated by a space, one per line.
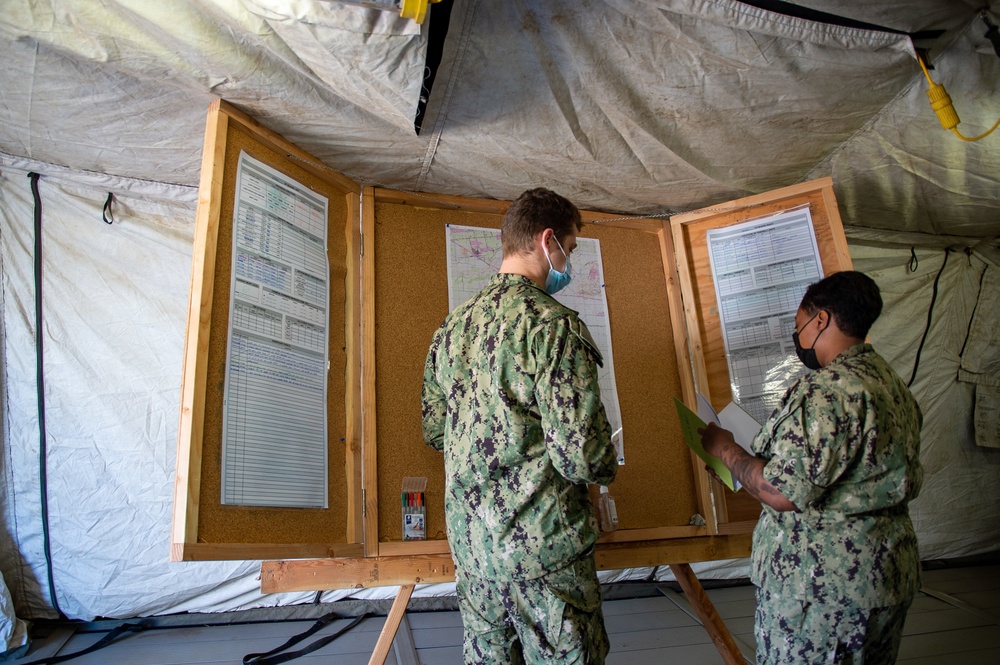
x=835 y=580
x=511 y=396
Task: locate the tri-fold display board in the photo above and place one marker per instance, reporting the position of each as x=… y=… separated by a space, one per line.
x=306 y=339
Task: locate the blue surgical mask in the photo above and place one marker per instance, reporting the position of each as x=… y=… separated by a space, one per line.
x=556 y=281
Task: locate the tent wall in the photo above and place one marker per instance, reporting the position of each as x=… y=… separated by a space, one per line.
x=958 y=512
x=115 y=299
x=115 y=304
x=652 y=106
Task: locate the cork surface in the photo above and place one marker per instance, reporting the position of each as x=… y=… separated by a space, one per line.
x=238 y=524
x=654 y=488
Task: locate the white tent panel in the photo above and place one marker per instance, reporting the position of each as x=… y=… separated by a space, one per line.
x=115 y=305
x=958 y=511
x=647 y=98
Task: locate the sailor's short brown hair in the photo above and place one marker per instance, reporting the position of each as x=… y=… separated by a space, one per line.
x=531 y=213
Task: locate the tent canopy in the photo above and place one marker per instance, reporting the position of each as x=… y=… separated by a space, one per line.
x=637 y=107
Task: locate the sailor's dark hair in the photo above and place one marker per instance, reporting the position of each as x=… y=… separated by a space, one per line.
x=852 y=298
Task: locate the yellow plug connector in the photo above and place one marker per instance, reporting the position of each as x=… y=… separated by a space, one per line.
x=941 y=104
x=415 y=9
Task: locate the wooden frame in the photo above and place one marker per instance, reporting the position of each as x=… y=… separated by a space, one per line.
x=382 y=544
x=187 y=541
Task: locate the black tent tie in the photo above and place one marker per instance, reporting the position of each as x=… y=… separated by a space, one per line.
x=274 y=656
x=930 y=312
x=103 y=642
x=43 y=482
x=108 y=214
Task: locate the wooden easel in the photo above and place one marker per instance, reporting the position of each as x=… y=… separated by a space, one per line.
x=707 y=614
x=659 y=283
x=388 y=633
x=696 y=595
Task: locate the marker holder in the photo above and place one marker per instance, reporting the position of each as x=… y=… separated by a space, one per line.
x=414 y=508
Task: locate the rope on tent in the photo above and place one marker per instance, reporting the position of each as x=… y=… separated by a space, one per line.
x=930 y=312
x=40 y=383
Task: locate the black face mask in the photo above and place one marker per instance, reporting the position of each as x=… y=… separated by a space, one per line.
x=807 y=356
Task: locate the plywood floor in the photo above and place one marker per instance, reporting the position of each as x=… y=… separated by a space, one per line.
x=954 y=620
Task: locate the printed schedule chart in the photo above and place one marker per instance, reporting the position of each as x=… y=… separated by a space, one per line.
x=761 y=269
x=274 y=438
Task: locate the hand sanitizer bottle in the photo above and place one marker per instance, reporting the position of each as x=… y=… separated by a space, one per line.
x=606 y=511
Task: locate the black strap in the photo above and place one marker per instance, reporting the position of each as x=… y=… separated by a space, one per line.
x=930 y=313
x=43 y=482
x=795 y=10
x=100 y=644
x=269 y=657
x=108 y=214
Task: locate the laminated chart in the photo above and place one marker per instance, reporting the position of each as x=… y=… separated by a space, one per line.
x=761 y=270
x=475 y=255
x=274 y=450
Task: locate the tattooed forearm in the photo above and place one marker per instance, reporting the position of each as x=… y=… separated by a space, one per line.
x=749 y=470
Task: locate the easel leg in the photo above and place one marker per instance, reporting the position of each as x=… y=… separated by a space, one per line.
x=391 y=625
x=710 y=618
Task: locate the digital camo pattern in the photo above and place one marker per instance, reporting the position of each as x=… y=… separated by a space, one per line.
x=552 y=619
x=511 y=396
x=844 y=447
x=791 y=631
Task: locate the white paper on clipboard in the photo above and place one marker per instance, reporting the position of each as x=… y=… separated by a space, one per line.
x=732 y=418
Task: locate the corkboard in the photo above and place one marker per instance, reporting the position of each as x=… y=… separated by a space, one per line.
x=655 y=488
x=241 y=524
x=690 y=234
x=705 y=303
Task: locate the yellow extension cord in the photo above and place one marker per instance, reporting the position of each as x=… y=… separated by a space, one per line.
x=941 y=103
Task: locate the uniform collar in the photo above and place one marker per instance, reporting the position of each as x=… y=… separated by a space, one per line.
x=513 y=278
x=856 y=350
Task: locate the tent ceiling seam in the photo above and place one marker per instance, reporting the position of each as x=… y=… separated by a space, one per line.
x=441 y=115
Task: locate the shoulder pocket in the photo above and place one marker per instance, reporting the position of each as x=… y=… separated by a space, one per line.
x=580 y=329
